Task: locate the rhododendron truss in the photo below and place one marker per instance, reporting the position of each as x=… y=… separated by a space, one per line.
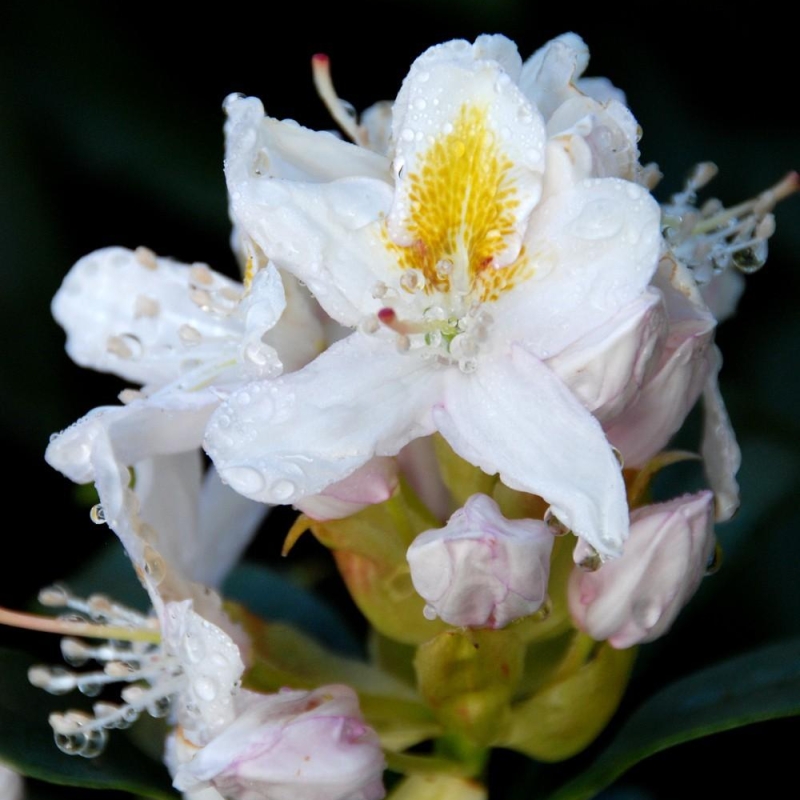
x=461 y=346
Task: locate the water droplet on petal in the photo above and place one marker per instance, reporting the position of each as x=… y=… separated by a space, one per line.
x=97 y=514
x=646 y=613
x=429 y=612
x=282 y=490
x=205 y=688
x=245 y=480
x=599 y=219
x=154 y=566
x=554 y=524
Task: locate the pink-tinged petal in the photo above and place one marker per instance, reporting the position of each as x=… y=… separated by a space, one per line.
x=635 y=598
x=515 y=417
x=608 y=367
x=282 y=440
x=592 y=249
x=647 y=425
x=373 y=483
x=12 y=787
x=458 y=113
x=720 y=450
x=293 y=745
x=481 y=569
x=124 y=312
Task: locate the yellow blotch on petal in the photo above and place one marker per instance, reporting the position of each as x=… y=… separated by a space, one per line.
x=462 y=200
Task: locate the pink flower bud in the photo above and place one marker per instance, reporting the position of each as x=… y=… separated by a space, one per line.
x=293 y=745
x=635 y=598
x=481 y=569
x=373 y=483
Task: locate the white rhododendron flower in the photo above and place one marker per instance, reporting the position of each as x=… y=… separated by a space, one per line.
x=635 y=598
x=481 y=569
x=293 y=745
x=467 y=260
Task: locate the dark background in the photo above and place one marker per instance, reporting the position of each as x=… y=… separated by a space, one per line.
x=112 y=134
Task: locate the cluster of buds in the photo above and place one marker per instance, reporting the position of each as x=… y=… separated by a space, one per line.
x=460 y=346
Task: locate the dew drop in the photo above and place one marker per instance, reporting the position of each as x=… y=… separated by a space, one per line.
x=599 y=219
x=407 y=135
x=205 y=688
x=555 y=525
x=750 y=259
x=282 y=490
x=412 y=280
x=245 y=480
x=146 y=257
x=154 y=566
x=429 y=612
x=97 y=514
x=195 y=648
x=189 y=335
x=589 y=559
x=420 y=104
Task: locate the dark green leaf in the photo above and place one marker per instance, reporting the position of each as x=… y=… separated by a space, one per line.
x=26 y=742
x=760 y=685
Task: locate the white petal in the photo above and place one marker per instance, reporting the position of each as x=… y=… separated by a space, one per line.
x=123 y=312
x=593 y=249
x=456 y=112
x=515 y=417
x=548 y=76
x=281 y=440
x=328 y=235
x=647 y=425
x=257 y=147
x=164 y=423
x=721 y=454
x=212 y=666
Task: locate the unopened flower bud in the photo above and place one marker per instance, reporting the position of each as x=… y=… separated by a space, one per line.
x=481 y=569
x=635 y=598
x=293 y=745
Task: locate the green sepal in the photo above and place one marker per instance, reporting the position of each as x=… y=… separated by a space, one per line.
x=564 y=716
x=283 y=656
x=370 y=551
x=469 y=678
x=438 y=787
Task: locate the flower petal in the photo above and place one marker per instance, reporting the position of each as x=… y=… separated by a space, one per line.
x=608 y=366
x=281 y=440
x=124 y=310
x=203 y=525
x=593 y=249
x=721 y=454
x=469 y=151
x=257 y=146
x=514 y=416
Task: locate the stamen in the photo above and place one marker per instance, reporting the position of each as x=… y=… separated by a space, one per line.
x=342 y=113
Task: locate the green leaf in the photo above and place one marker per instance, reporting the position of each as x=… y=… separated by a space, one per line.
x=26 y=742
x=760 y=685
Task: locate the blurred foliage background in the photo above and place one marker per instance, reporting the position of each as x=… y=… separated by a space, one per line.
x=112 y=134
